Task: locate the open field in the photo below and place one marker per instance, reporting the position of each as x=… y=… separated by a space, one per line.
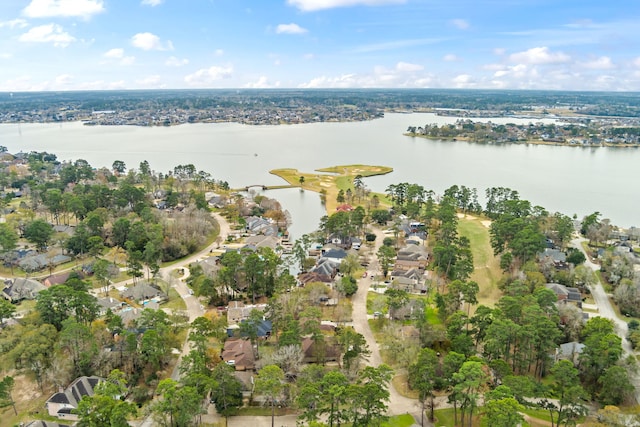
x=330 y=180
x=486 y=266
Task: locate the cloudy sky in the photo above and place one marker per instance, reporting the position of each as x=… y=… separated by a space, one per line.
x=140 y=44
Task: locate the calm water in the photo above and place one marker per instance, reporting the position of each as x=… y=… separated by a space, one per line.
x=571 y=180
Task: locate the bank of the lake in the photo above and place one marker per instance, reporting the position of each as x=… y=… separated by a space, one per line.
x=566 y=179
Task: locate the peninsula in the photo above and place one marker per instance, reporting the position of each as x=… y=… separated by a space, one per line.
x=332 y=181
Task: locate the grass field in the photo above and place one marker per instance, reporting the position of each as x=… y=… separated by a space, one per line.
x=330 y=180
x=486 y=266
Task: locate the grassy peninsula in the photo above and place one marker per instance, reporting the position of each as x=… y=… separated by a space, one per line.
x=329 y=181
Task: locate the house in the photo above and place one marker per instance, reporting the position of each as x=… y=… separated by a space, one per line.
x=238 y=352
x=411 y=256
x=22 y=289
x=570 y=351
x=566 y=294
x=56 y=279
x=329 y=351
x=237 y=311
x=556 y=256
x=313 y=276
x=262 y=241
x=334 y=255
x=62 y=404
x=143 y=292
x=106 y=304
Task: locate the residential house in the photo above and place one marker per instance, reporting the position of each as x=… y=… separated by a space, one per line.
x=312 y=277
x=259 y=225
x=566 y=294
x=570 y=351
x=329 y=351
x=237 y=311
x=335 y=255
x=143 y=292
x=106 y=304
x=262 y=241
x=411 y=256
x=22 y=289
x=62 y=404
x=56 y=279
x=238 y=352
x=556 y=256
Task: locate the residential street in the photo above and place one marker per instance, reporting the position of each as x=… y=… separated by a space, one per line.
x=398 y=404
x=605 y=309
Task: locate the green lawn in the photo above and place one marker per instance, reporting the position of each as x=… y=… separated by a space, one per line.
x=175 y=301
x=486 y=266
x=405 y=420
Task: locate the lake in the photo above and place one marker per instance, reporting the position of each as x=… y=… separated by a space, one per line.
x=571 y=180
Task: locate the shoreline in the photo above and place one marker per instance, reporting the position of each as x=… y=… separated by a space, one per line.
x=525 y=142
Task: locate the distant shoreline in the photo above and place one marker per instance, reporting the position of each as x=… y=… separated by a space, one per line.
x=524 y=142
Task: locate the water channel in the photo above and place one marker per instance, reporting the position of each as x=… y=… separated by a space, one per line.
x=571 y=180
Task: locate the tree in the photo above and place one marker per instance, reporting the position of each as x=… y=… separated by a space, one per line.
x=39 y=232
x=177 y=405
x=568 y=393
x=6 y=310
x=368 y=397
x=8 y=240
x=386 y=254
x=106 y=407
x=119 y=167
x=468 y=381
x=505 y=412
x=615 y=386
x=269 y=383
x=422 y=377
x=6 y=387
x=226 y=390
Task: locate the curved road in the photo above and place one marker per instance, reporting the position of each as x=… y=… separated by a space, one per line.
x=605 y=309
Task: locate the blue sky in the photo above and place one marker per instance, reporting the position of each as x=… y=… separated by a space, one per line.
x=148 y=44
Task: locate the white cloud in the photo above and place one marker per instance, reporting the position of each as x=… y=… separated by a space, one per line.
x=75 y=8
x=5 y=56
x=172 y=61
x=14 y=23
x=290 y=29
x=50 y=33
x=407 y=67
x=499 y=51
x=219 y=52
x=153 y=81
x=463 y=81
x=311 y=5
x=308 y=56
x=636 y=62
x=460 y=24
x=118 y=53
x=149 y=41
x=152 y=3
x=262 y=83
x=207 y=76
x=539 y=55
x=450 y=57
x=602 y=63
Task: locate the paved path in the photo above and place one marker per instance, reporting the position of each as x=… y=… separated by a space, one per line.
x=398 y=404
x=605 y=309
